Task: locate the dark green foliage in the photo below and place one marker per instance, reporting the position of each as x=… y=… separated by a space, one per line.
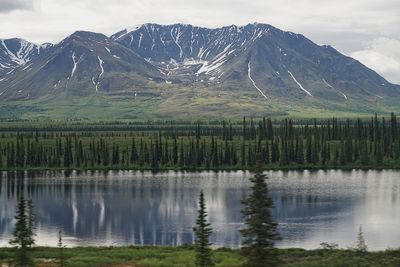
x=30 y=224
x=23 y=236
x=20 y=235
x=361 y=246
x=285 y=144
x=202 y=233
x=260 y=230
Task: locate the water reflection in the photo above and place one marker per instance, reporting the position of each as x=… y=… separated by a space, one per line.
x=119 y=208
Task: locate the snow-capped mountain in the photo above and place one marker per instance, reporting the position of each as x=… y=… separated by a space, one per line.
x=81 y=64
x=275 y=62
x=180 y=46
x=17 y=52
x=252 y=69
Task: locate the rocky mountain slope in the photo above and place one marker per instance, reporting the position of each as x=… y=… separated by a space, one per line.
x=17 y=52
x=184 y=71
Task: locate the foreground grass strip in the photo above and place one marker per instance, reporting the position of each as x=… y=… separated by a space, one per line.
x=184 y=257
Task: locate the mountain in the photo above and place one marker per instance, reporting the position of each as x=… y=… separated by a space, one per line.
x=16 y=52
x=183 y=71
x=281 y=62
x=84 y=63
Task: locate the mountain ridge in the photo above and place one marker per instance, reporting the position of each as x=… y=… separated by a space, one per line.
x=250 y=69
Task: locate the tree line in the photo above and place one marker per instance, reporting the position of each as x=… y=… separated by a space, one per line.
x=286 y=143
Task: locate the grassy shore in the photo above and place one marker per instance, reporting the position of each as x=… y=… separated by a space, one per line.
x=184 y=256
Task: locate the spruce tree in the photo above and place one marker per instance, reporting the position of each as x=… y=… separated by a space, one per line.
x=378 y=153
x=260 y=230
x=22 y=237
x=361 y=246
x=175 y=153
x=21 y=227
x=134 y=154
x=202 y=233
x=364 y=157
x=30 y=224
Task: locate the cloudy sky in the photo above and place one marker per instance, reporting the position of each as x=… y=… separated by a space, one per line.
x=365 y=29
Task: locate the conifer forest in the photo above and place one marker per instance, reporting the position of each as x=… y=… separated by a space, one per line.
x=215 y=145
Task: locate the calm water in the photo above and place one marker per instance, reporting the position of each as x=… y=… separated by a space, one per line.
x=120 y=208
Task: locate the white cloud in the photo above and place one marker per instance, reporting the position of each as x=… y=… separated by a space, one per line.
x=50 y=19
x=383 y=56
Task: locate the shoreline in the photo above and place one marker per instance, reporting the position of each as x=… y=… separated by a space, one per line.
x=159 y=256
x=228 y=169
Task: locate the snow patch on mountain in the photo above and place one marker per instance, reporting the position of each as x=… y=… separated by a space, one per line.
x=127 y=31
x=12 y=56
x=27 y=66
x=4 y=66
x=299 y=84
x=219 y=60
x=75 y=64
x=330 y=86
x=254 y=83
x=109 y=51
x=101 y=62
x=25 y=50
x=176 y=39
x=140 y=40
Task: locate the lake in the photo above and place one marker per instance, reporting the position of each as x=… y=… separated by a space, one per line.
x=142 y=208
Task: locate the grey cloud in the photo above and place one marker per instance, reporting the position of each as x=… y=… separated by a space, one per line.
x=10 y=5
x=346 y=42
x=383 y=56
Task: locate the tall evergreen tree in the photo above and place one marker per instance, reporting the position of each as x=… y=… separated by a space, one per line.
x=30 y=224
x=202 y=233
x=134 y=154
x=22 y=237
x=260 y=230
x=361 y=245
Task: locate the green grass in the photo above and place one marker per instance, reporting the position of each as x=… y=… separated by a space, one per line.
x=184 y=256
x=188 y=101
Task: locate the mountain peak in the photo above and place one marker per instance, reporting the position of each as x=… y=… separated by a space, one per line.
x=134 y=28
x=87 y=35
x=16 y=52
x=254 y=63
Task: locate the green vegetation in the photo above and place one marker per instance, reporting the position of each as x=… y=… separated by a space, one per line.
x=202 y=232
x=214 y=145
x=260 y=230
x=185 y=257
x=188 y=102
x=23 y=237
